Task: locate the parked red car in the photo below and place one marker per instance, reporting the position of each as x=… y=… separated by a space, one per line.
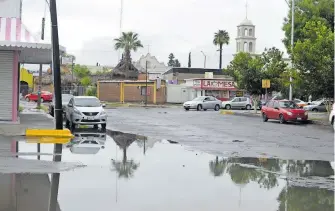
x=283 y=110
x=45 y=96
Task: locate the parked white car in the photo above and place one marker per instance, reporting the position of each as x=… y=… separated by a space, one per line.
x=238 y=102
x=203 y=103
x=85 y=110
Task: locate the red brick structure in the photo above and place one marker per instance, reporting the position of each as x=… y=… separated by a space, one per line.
x=131 y=91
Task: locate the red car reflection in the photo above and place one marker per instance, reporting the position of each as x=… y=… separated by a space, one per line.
x=45 y=96
x=283 y=110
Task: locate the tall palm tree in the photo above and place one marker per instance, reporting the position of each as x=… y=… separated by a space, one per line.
x=128 y=42
x=221 y=38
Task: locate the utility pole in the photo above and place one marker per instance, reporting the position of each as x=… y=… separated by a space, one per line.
x=292 y=43
x=58 y=102
x=39 y=99
x=146 y=83
x=205 y=58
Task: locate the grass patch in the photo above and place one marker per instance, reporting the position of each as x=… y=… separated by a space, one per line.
x=42 y=107
x=20 y=108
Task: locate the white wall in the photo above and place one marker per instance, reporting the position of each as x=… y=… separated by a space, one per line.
x=179 y=93
x=10 y=8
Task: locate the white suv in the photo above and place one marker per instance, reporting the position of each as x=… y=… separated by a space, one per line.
x=85 y=110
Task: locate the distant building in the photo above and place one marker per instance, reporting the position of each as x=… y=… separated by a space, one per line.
x=177 y=75
x=154 y=67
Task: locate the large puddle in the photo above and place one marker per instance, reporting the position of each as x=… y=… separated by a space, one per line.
x=127 y=172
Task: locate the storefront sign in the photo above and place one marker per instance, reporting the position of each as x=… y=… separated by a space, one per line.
x=197 y=83
x=217 y=84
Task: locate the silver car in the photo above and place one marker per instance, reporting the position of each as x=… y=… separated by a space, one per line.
x=316 y=106
x=238 y=102
x=203 y=103
x=85 y=110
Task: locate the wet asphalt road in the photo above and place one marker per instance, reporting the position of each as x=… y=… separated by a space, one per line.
x=227 y=135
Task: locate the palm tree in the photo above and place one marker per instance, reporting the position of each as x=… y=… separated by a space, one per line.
x=220 y=38
x=128 y=42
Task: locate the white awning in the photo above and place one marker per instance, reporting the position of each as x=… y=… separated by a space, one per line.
x=31 y=53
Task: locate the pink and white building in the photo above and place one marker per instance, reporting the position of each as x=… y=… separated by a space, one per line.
x=17 y=46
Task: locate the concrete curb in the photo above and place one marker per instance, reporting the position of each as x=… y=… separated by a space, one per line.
x=258 y=115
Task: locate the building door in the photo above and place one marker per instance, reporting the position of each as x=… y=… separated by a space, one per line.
x=184 y=94
x=6 y=85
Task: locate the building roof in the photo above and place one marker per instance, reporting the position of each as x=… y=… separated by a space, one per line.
x=193 y=71
x=246 y=22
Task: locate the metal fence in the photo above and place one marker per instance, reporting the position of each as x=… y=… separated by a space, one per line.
x=75 y=90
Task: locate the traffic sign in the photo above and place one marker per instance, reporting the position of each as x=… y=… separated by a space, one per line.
x=266 y=83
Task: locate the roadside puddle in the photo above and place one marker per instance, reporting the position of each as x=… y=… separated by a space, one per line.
x=130 y=172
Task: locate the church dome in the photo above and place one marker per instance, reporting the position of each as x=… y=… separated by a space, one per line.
x=246 y=22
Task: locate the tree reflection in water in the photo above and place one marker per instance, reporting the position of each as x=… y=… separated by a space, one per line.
x=125 y=167
x=266 y=171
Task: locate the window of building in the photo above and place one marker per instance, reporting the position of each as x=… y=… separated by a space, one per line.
x=250 y=47
x=250 y=33
x=245 y=32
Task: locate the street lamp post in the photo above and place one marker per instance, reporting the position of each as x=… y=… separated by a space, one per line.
x=292 y=43
x=205 y=58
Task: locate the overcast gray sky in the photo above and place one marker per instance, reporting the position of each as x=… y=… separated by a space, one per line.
x=87 y=28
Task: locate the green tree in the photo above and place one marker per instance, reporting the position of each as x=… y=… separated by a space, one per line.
x=274 y=67
x=313 y=45
x=177 y=63
x=307 y=10
x=248 y=73
x=314 y=57
x=85 y=81
x=171 y=62
x=221 y=38
x=128 y=41
x=81 y=71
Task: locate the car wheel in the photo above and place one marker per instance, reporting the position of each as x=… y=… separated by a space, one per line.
x=217 y=107
x=187 y=109
x=228 y=107
x=42 y=100
x=281 y=119
x=103 y=126
x=27 y=99
x=315 y=110
x=265 y=118
x=199 y=107
x=248 y=107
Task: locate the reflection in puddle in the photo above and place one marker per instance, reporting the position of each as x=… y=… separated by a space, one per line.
x=131 y=172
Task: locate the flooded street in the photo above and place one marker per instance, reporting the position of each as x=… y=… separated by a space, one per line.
x=129 y=172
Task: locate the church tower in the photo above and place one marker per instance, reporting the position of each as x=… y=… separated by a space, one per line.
x=246 y=39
